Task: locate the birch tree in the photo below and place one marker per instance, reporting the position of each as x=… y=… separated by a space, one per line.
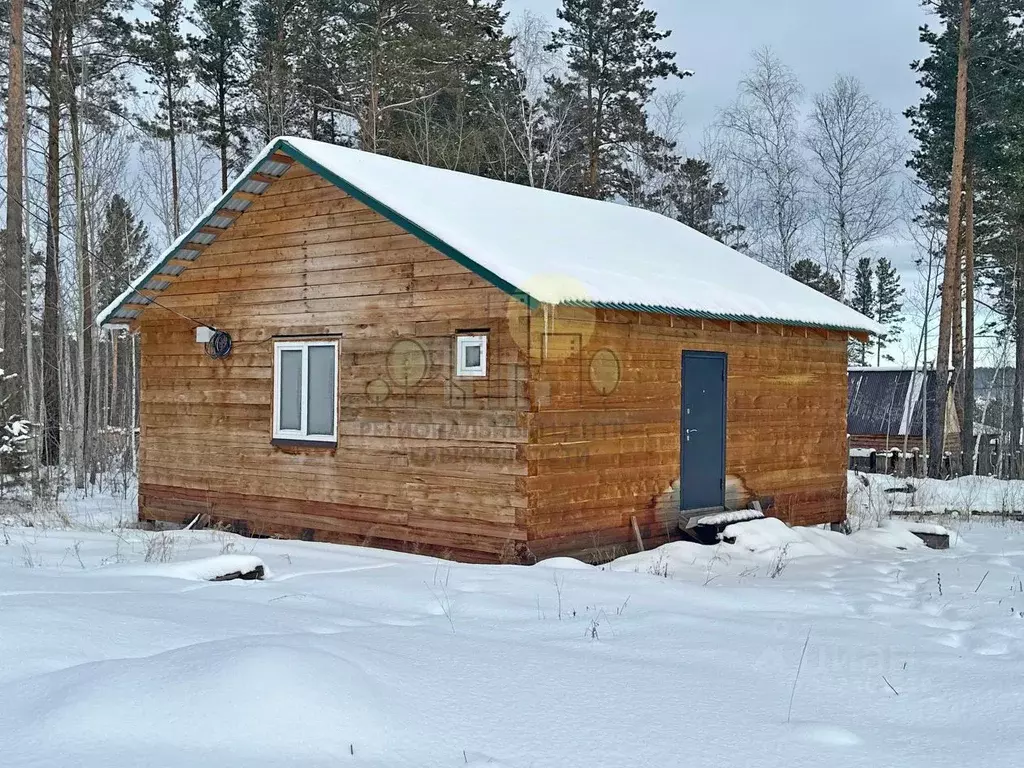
x=763 y=138
x=520 y=108
x=856 y=170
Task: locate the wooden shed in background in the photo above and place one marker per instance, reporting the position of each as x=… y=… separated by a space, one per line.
x=890 y=409
x=887 y=407
x=436 y=362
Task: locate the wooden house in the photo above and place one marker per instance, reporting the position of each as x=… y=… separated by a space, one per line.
x=351 y=348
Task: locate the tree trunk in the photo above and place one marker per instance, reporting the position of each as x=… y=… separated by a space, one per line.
x=51 y=284
x=591 y=187
x=133 y=403
x=592 y=173
x=14 y=252
x=222 y=129
x=1017 y=417
x=31 y=401
x=172 y=136
x=952 y=250
x=956 y=386
x=967 y=425
x=84 y=330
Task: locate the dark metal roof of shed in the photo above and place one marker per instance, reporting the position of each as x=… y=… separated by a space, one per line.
x=888 y=401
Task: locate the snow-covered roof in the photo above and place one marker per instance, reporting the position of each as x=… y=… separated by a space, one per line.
x=539 y=245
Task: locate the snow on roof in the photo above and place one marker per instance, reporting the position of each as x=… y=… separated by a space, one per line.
x=561 y=249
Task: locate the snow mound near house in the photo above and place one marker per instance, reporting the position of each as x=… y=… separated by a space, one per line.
x=290 y=696
x=564 y=564
x=732 y=516
x=929 y=529
x=760 y=541
x=769 y=535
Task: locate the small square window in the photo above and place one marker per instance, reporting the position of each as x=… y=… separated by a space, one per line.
x=471 y=356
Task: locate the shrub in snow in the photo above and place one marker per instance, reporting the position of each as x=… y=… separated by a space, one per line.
x=14 y=438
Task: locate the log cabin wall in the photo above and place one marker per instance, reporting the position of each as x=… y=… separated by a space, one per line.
x=604 y=429
x=424 y=461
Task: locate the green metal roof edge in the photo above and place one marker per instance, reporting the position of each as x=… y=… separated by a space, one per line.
x=657 y=309
x=410 y=226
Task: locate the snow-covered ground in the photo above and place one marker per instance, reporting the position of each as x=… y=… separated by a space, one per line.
x=874 y=497
x=788 y=648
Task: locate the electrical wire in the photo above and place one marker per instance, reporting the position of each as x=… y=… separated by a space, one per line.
x=111 y=269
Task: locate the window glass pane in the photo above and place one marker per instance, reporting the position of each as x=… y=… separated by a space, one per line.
x=290 y=394
x=321 y=390
x=471 y=355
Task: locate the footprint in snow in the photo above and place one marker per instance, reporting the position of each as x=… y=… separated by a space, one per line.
x=827 y=734
x=997 y=649
x=1013 y=634
x=884 y=609
x=478 y=760
x=947 y=624
x=951 y=640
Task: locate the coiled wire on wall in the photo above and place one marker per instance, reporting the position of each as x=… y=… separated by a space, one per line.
x=219 y=345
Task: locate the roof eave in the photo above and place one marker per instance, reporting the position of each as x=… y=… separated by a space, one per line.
x=705 y=315
x=106 y=318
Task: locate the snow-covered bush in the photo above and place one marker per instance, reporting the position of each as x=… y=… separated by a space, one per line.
x=15 y=434
x=867 y=504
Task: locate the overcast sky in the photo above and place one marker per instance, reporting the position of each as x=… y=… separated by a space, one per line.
x=873 y=40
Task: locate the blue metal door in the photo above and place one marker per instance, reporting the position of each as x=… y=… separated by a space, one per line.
x=702 y=427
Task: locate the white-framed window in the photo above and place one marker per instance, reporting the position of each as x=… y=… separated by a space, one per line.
x=471 y=355
x=305 y=390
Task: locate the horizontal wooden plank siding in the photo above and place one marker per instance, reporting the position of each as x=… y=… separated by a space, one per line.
x=604 y=428
x=573 y=432
x=425 y=461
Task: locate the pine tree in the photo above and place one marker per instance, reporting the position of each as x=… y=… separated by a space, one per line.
x=49 y=24
x=614 y=58
x=122 y=251
x=97 y=40
x=863 y=299
x=216 y=60
x=318 y=66
x=418 y=78
x=698 y=200
x=994 y=165
x=272 y=89
x=451 y=123
x=811 y=273
x=161 y=51
x=888 y=306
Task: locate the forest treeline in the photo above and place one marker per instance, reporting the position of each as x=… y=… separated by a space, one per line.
x=123 y=120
